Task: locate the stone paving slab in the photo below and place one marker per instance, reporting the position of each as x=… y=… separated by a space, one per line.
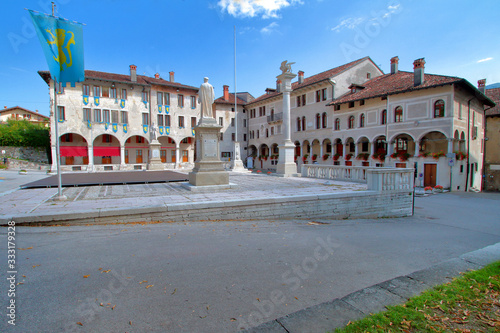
x=443 y=272
x=372 y=299
x=404 y=286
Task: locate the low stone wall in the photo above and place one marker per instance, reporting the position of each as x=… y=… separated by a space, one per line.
x=31 y=154
x=362 y=204
x=14 y=164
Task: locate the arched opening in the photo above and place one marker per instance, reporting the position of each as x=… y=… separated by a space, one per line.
x=297 y=150
x=167 y=149
x=434 y=143
x=316 y=150
x=327 y=149
x=106 y=150
x=306 y=151
x=73 y=149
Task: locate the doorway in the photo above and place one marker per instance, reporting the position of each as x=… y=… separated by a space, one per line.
x=430 y=174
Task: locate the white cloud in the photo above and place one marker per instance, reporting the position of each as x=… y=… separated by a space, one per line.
x=349 y=23
x=485 y=59
x=270 y=28
x=252 y=8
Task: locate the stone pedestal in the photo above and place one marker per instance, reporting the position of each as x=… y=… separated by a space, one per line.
x=208 y=168
x=237 y=163
x=286 y=165
x=155 y=161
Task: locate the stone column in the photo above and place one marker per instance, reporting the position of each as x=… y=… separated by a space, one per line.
x=53 y=168
x=417 y=149
x=450 y=146
x=91 y=158
x=286 y=166
x=177 y=155
x=122 y=157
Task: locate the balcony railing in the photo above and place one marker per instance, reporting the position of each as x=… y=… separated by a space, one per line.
x=275 y=117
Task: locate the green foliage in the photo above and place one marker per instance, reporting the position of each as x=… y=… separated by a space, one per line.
x=22 y=133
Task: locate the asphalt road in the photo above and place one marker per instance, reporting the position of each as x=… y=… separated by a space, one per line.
x=221 y=276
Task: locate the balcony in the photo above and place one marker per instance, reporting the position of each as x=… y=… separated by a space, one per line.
x=274 y=118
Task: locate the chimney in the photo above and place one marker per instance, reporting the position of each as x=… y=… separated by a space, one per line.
x=394 y=64
x=301 y=77
x=36 y=111
x=418 y=70
x=133 y=73
x=226 y=92
x=171 y=74
x=5 y=107
x=157 y=76
x=278 y=85
x=481 y=85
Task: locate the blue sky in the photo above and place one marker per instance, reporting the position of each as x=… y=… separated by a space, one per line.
x=195 y=39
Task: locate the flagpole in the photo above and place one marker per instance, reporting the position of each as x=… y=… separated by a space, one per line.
x=235 y=96
x=58 y=158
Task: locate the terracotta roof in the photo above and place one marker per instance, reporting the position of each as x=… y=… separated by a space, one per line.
x=315 y=78
x=401 y=82
x=123 y=78
x=494 y=95
x=26 y=110
x=221 y=100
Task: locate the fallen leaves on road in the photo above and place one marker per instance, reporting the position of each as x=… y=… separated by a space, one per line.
x=86 y=276
x=149 y=286
x=34 y=266
x=26 y=248
x=144 y=281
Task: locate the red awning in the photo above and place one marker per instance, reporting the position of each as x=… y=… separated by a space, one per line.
x=106 y=151
x=73 y=150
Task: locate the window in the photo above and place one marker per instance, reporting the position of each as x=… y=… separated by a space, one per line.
x=337 y=124
x=106 y=138
x=337 y=107
x=362 y=120
x=114 y=116
x=350 y=122
x=145 y=118
x=383 y=117
x=232 y=122
x=362 y=102
x=318 y=96
x=298 y=101
x=303 y=99
x=368 y=75
x=60 y=88
x=439 y=109
x=160 y=120
x=159 y=98
x=145 y=96
x=221 y=136
x=124 y=117
x=299 y=124
x=87 y=115
x=86 y=89
x=233 y=137
x=318 y=121
x=181 y=121
x=401 y=145
x=166 y=97
x=221 y=121
x=324 y=119
x=398 y=114
x=258 y=134
x=267 y=132
x=351 y=104
x=323 y=94
x=304 y=123
x=97 y=116
x=124 y=93
x=244 y=123
x=97 y=91
x=167 y=120
x=244 y=137
x=272 y=131
x=105 y=92
x=193 y=102
x=180 y=101
x=112 y=92
x=105 y=116
x=193 y=122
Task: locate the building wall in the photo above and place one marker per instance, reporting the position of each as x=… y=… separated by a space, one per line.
x=492 y=151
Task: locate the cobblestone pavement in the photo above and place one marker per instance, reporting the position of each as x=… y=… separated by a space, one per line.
x=147 y=195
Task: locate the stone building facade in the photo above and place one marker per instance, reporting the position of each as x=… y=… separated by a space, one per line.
x=492 y=143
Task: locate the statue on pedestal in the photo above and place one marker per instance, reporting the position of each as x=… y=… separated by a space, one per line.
x=152 y=132
x=206 y=99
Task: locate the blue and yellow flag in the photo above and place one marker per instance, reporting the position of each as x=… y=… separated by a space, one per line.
x=97 y=100
x=124 y=128
x=89 y=124
x=115 y=127
x=167 y=109
x=160 y=108
x=160 y=128
x=85 y=99
x=145 y=128
x=106 y=125
x=122 y=103
x=192 y=132
x=145 y=104
x=167 y=130
x=62 y=44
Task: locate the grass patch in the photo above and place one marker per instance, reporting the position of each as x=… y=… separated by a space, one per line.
x=469 y=303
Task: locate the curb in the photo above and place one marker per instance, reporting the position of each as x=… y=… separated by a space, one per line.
x=337 y=313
